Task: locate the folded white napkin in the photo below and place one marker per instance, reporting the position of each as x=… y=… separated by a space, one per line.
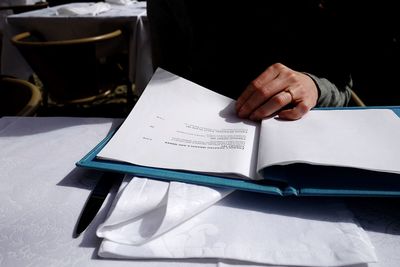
x=146 y=209
x=154 y=219
x=122 y=2
x=83 y=9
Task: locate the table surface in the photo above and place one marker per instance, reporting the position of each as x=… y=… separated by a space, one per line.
x=42 y=194
x=132 y=10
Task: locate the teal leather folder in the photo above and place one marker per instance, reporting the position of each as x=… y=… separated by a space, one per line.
x=305 y=180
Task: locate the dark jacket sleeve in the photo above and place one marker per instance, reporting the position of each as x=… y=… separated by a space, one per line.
x=330 y=95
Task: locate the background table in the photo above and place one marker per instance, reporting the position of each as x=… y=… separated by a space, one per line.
x=42 y=194
x=131 y=18
x=5 y=13
x=17 y=2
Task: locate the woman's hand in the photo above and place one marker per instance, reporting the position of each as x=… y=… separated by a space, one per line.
x=280 y=91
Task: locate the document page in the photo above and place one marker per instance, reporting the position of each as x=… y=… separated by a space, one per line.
x=366 y=139
x=177 y=124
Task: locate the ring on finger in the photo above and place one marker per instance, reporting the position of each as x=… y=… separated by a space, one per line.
x=289 y=91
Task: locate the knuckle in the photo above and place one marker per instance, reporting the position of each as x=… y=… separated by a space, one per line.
x=278 y=66
x=302 y=108
x=256 y=84
x=280 y=100
x=260 y=113
x=263 y=94
x=291 y=76
x=245 y=108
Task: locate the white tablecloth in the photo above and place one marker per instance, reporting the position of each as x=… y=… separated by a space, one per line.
x=42 y=194
x=132 y=18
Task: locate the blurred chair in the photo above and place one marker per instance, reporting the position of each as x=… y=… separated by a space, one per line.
x=355 y=100
x=16 y=9
x=18 y=97
x=75 y=71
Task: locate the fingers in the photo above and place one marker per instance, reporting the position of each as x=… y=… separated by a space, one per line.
x=301 y=107
x=278 y=90
x=271 y=91
x=269 y=108
x=257 y=85
x=294 y=113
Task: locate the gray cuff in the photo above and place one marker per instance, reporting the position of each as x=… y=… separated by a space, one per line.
x=329 y=95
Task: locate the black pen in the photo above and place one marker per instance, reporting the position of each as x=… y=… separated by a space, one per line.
x=96 y=199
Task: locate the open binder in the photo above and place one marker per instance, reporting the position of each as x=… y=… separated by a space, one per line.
x=197 y=138
x=343 y=181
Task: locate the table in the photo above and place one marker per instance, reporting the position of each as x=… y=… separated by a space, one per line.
x=42 y=194
x=17 y=2
x=5 y=13
x=132 y=18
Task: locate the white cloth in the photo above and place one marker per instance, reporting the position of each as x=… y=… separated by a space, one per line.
x=155 y=219
x=122 y=2
x=89 y=9
x=158 y=206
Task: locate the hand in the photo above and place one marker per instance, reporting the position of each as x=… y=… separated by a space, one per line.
x=275 y=89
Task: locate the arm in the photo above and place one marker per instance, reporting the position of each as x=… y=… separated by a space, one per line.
x=289 y=94
x=324 y=54
x=273 y=90
x=329 y=94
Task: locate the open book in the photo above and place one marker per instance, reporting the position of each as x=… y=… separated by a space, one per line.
x=180 y=126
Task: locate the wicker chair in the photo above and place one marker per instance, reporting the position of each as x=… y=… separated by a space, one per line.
x=74 y=71
x=356 y=100
x=18 y=97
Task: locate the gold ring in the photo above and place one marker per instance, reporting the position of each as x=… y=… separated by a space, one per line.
x=290 y=93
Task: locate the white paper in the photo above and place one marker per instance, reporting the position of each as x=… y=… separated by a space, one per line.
x=177 y=124
x=242 y=226
x=366 y=139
